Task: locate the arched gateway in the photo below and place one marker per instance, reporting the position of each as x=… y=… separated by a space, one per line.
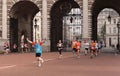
x=21 y=22
x=22 y=15
x=97 y=7
x=65 y=19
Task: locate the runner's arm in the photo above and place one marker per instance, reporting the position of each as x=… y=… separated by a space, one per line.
x=29 y=41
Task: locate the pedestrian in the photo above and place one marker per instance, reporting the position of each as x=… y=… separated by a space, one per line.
x=86 y=46
x=6 y=48
x=14 y=47
x=38 y=51
x=22 y=47
x=60 y=48
x=26 y=47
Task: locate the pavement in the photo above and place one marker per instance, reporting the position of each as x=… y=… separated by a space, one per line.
x=24 y=64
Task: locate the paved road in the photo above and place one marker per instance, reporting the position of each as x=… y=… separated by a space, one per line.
x=106 y=64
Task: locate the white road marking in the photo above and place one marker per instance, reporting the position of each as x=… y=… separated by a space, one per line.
x=5 y=67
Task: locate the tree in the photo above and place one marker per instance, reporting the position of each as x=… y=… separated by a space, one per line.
x=103 y=31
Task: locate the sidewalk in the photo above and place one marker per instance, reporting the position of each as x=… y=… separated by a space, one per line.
x=109 y=50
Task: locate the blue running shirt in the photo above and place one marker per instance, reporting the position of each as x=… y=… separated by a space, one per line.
x=37 y=48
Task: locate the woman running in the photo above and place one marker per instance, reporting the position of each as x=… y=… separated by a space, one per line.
x=60 y=48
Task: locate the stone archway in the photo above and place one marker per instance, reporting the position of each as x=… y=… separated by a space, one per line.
x=58 y=10
x=97 y=6
x=21 y=21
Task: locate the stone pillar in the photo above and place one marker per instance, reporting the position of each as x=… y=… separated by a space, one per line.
x=46 y=45
x=44 y=20
x=4 y=19
x=85 y=19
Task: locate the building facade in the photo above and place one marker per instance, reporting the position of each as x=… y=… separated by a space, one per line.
x=17 y=19
x=10 y=9
x=110 y=37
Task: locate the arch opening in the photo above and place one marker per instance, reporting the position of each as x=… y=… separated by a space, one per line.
x=107 y=29
x=97 y=6
x=21 y=23
x=59 y=15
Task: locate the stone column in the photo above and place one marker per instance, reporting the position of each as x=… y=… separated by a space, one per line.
x=85 y=19
x=44 y=20
x=4 y=19
x=46 y=45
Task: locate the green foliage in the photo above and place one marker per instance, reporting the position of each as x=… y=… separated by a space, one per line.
x=103 y=30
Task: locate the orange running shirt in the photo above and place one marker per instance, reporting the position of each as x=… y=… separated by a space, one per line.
x=78 y=45
x=33 y=43
x=74 y=44
x=93 y=45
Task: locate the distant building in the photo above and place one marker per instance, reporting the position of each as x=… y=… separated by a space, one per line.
x=111 y=36
x=72 y=24
x=37 y=29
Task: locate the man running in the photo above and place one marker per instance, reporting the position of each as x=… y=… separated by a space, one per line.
x=78 y=45
x=38 y=51
x=74 y=46
x=93 y=49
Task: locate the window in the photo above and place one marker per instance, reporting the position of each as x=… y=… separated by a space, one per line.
x=70 y=28
x=114 y=38
x=78 y=28
x=114 y=30
x=110 y=30
x=114 y=21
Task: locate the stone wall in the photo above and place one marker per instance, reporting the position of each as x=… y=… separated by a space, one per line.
x=2 y=41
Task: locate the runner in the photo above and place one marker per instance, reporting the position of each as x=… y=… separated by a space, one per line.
x=86 y=46
x=60 y=48
x=96 y=51
x=74 y=47
x=99 y=47
x=6 y=48
x=14 y=47
x=93 y=49
x=78 y=45
x=38 y=51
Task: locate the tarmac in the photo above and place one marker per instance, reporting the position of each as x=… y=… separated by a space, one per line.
x=107 y=63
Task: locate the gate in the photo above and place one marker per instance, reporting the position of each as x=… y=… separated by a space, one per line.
x=72 y=28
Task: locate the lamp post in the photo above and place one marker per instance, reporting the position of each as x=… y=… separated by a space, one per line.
x=118 y=26
x=35 y=26
x=109 y=16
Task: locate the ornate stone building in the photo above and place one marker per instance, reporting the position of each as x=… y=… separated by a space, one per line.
x=107 y=29
x=16 y=18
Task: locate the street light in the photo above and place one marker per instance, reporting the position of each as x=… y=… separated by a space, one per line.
x=109 y=17
x=35 y=26
x=118 y=26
